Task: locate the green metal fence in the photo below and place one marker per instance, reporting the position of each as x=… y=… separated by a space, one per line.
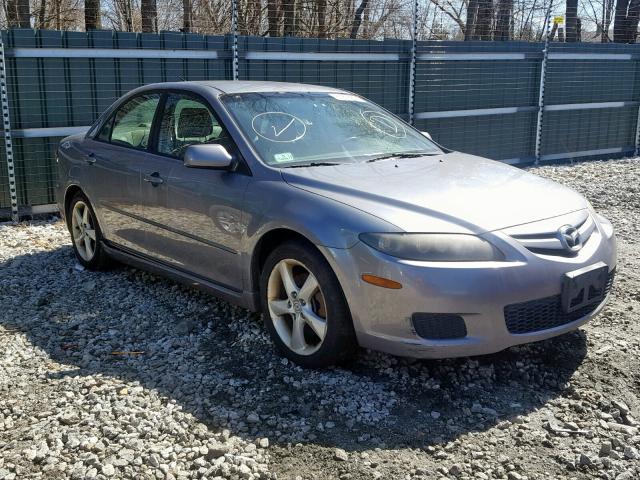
x=478 y=97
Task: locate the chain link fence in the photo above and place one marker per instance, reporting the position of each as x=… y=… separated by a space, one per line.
x=519 y=102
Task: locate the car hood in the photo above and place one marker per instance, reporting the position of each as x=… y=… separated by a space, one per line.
x=453 y=193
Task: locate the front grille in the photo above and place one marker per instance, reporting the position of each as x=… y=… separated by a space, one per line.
x=439 y=326
x=545 y=313
x=543 y=237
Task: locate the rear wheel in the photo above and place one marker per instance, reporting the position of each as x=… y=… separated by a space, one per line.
x=86 y=234
x=304 y=307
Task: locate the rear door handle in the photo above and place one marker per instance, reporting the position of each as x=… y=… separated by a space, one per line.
x=90 y=158
x=153 y=178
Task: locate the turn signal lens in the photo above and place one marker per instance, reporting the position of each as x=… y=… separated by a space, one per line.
x=381 y=282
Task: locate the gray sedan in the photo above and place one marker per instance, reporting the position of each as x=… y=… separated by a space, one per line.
x=344 y=225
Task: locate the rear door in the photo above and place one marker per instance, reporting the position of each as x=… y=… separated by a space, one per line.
x=115 y=156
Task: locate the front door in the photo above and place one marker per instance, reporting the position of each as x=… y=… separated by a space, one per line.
x=203 y=205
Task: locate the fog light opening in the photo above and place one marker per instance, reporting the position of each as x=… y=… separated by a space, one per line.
x=381 y=282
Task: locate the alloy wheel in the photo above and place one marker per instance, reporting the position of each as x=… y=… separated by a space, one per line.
x=83 y=230
x=297 y=306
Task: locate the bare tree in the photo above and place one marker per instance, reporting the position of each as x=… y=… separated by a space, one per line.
x=454 y=11
x=251 y=17
x=484 y=19
x=41 y=18
x=187 y=16
x=18 y=14
x=472 y=12
x=321 y=6
x=124 y=15
x=627 y=16
x=91 y=14
x=272 y=18
x=607 y=13
x=599 y=13
x=571 y=21
x=504 y=19
x=288 y=12
x=357 y=19
x=149 y=15
x=371 y=19
x=479 y=22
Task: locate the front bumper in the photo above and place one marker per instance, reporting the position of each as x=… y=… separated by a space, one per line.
x=478 y=292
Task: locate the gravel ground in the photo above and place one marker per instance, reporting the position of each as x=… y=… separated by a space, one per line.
x=126 y=375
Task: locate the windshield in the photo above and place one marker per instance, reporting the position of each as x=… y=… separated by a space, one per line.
x=297 y=129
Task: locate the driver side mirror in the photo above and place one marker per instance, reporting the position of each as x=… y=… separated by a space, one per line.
x=427 y=134
x=212 y=156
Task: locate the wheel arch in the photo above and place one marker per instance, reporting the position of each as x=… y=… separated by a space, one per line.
x=69 y=193
x=278 y=236
x=266 y=244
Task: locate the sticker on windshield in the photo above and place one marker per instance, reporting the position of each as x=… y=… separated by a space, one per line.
x=283 y=157
x=279 y=126
x=384 y=123
x=346 y=97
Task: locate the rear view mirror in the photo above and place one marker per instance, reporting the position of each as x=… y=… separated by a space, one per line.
x=207 y=156
x=427 y=134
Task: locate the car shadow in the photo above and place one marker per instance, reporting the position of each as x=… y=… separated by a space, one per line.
x=217 y=362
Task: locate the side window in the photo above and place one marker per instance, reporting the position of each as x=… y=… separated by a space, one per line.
x=187 y=121
x=131 y=125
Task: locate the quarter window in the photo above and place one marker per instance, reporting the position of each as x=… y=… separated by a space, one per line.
x=132 y=122
x=105 y=131
x=187 y=121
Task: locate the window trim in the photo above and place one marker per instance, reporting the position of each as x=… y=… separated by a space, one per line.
x=155 y=126
x=194 y=96
x=242 y=165
x=108 y=122
x=111 y=118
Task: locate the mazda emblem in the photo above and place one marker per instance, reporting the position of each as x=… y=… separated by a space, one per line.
x=569 y=237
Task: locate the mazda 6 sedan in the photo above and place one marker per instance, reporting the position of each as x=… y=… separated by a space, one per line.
x=343 y=224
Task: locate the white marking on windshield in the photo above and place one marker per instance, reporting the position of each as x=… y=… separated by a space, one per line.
x=385 y=124
x=279 y=127
x=275 y=131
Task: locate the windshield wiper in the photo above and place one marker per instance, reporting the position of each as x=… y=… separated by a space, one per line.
x=312 y=164
x=402 y=155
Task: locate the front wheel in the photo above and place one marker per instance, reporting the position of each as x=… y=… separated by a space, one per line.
x=304 y=308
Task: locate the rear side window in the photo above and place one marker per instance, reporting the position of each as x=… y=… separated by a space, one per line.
x=131 y=124
x=187 y=121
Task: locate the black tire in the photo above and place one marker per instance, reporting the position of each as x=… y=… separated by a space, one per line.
x=100 y=259
x=339 y=344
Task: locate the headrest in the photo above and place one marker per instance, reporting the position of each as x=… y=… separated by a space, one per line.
x=194 y=123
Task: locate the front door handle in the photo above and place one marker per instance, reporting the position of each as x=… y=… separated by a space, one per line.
x=153 y=178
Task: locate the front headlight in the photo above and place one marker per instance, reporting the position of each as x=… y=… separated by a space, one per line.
x=434 y=247
x=605 y=224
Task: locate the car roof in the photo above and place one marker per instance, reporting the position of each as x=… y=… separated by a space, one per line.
x=246 y=86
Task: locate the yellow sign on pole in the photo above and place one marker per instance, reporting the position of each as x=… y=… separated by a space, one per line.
x=558 y=20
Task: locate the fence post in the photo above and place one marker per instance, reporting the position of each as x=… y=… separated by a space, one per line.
x=412 y=67
x=543 y=76
x=234 y=33
x=637 y=151
x=6 y=125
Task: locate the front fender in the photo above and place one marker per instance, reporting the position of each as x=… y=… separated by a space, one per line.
x=325 y=222
x=328 y=224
